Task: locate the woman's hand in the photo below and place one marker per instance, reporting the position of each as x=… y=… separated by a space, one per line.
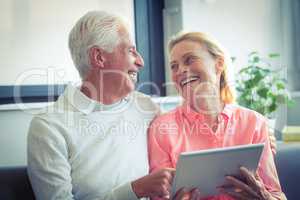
x=184 y=194
x=250 y=188
x=156 y=184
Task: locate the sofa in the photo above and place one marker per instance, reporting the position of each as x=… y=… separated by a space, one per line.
x=287 y=162
x=15 y=185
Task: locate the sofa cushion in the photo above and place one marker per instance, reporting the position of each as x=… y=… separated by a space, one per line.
x=288 y=166
x=14 y=184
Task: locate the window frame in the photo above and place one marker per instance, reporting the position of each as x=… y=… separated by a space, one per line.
x=150 y=43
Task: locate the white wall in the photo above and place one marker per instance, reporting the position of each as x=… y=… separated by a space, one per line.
x=34 y=37
x=241 y=26
x=14 y=126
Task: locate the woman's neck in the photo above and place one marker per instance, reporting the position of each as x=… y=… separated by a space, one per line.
x=210 y=109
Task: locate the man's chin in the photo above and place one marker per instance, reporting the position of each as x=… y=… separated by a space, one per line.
x=130 y=85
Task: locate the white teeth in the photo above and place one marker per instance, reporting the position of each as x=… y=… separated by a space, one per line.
x=187 y=80
x=133 y=76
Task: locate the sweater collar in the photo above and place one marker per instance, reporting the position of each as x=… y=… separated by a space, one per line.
x=87 y=105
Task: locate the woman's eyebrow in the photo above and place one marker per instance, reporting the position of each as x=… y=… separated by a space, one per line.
x=191 y=53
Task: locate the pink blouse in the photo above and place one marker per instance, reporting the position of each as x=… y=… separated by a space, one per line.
x=183 y=130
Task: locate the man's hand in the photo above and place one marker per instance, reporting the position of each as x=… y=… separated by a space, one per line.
x=156 y=184
x=251 y=187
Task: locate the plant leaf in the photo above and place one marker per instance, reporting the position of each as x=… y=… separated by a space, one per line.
x=274 y=55
x=256 y=59
x=280 y=85
x=263 y=92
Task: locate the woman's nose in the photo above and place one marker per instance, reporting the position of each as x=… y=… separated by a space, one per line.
x=182 y=69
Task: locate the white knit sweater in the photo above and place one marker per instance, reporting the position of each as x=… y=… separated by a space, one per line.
x=80 y=149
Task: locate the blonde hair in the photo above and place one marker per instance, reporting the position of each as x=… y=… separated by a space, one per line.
x=217 y=51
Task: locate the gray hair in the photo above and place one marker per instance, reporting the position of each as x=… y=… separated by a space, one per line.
x=95 y=28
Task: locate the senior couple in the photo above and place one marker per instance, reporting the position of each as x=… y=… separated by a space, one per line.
x=102 y=140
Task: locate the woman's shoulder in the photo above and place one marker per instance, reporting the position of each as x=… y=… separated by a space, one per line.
x=165 y=127
x=244 y=113
x=167 y=117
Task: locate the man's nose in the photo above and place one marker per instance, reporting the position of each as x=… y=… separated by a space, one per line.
x=139 y=60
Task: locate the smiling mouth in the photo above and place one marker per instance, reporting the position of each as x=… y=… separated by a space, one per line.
x=189 y=80
x=133 y=76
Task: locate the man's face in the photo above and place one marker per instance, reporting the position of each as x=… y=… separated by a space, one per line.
x=122 y=65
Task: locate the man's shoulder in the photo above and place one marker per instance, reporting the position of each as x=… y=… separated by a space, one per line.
x=141 y=96
x=56 y=111
x=52 y=118
x=144 y=102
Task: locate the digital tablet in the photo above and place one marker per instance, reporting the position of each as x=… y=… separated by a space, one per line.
x=206 y=169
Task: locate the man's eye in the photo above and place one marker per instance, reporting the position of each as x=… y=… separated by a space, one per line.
x=133 y=51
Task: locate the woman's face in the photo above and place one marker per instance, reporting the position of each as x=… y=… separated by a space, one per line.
x=194 y=71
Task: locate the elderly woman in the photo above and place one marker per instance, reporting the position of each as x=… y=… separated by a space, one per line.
x=209 y=119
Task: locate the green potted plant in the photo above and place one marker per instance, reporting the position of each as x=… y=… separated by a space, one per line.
x=260 y=87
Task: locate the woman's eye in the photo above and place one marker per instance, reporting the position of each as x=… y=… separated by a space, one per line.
x=189 y=60
x=174 y=66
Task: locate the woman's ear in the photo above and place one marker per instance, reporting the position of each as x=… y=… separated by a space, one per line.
x=96 y=57
x=219 y=65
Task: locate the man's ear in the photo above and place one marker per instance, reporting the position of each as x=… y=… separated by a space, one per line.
x=96 y=57
x=219 y=65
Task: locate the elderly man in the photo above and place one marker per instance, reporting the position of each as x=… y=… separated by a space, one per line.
x=92 y=143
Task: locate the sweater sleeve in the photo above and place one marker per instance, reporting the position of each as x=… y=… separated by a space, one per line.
x=124 y=191
x=49 y=170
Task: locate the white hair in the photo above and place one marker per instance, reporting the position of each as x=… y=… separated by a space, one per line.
x=95 y=28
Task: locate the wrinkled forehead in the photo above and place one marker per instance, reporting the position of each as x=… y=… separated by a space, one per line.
x=185 y=47
x=125 y=33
